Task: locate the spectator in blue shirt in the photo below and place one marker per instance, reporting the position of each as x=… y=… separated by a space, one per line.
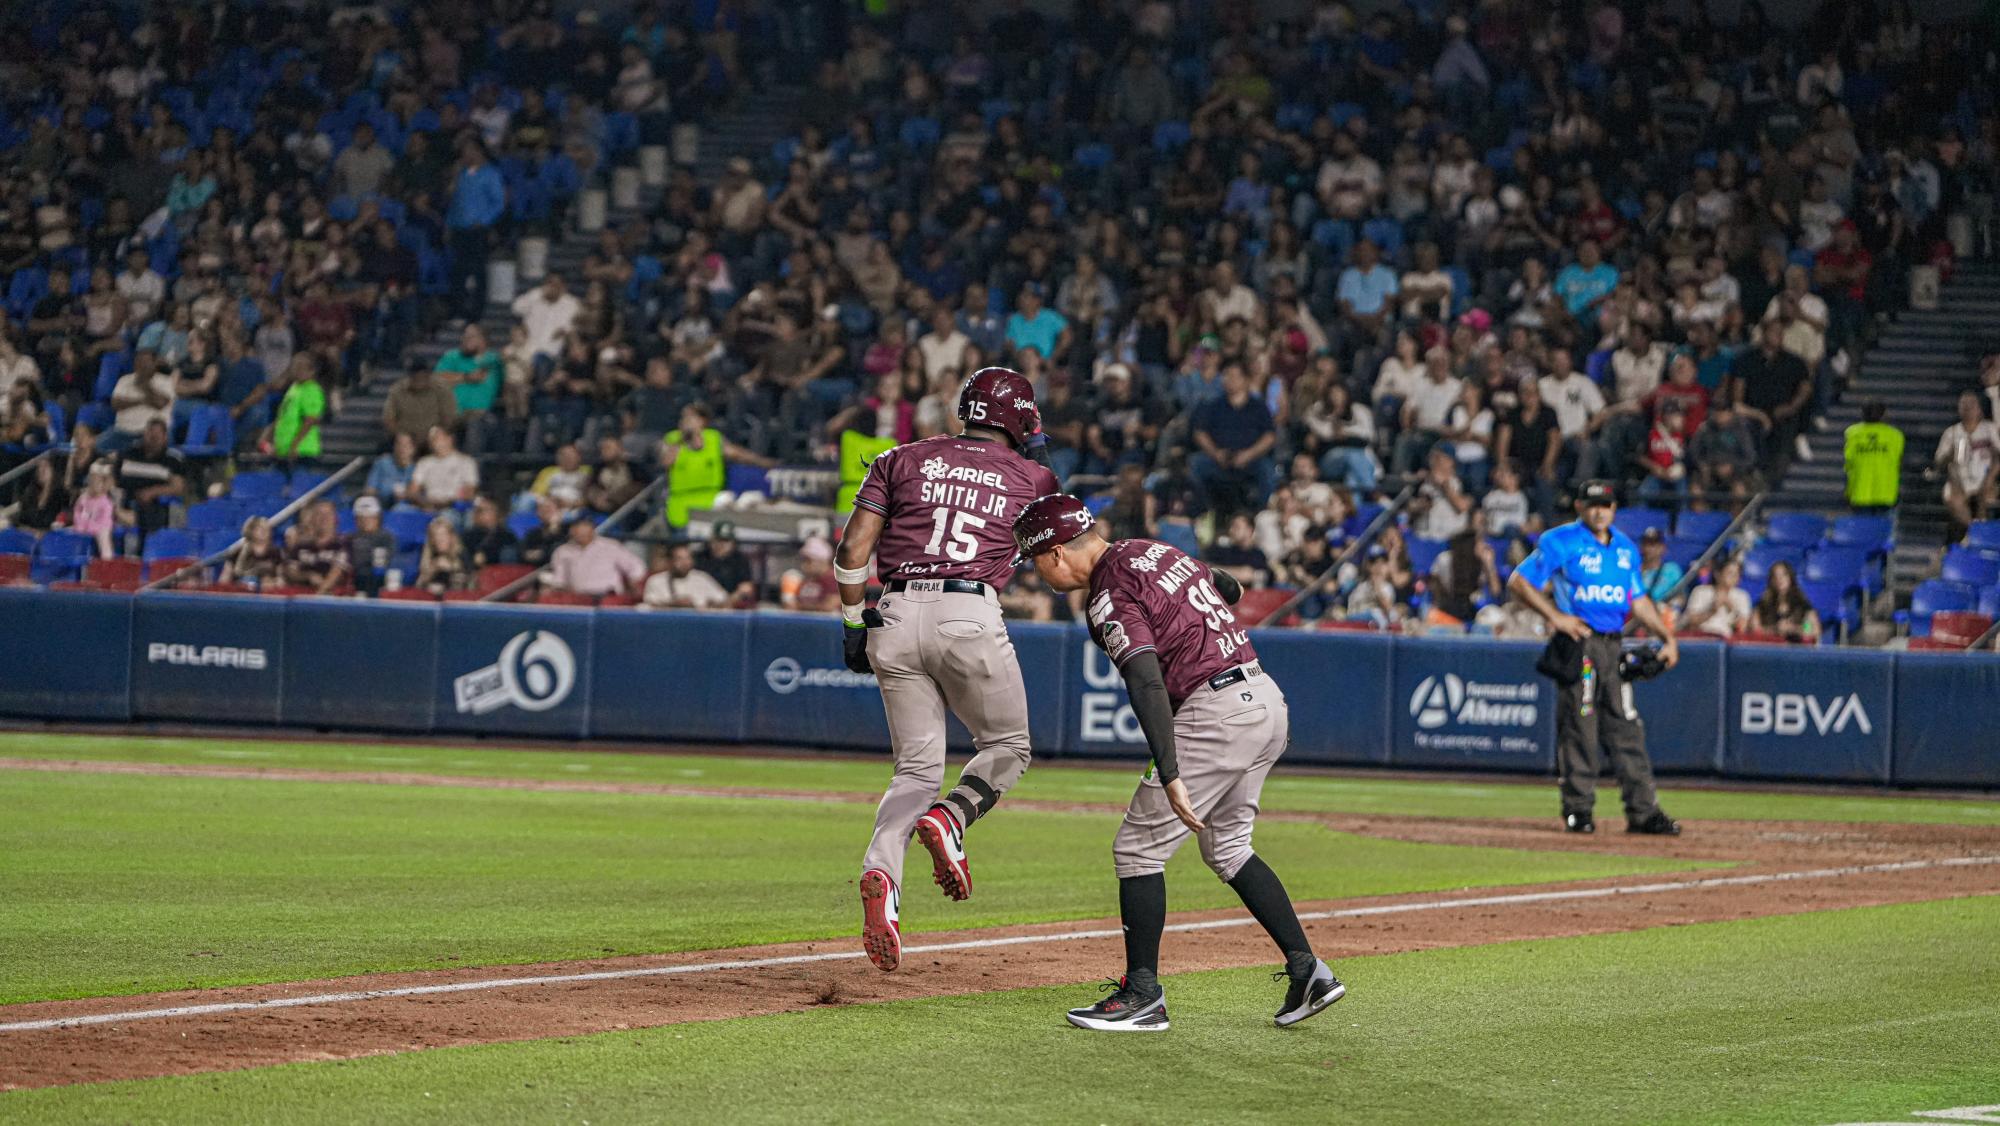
x=1657 y=574
x=1036 y=326
x=478 y=200
x=1364 y=294
x=1585 y=283
x=1232 y=467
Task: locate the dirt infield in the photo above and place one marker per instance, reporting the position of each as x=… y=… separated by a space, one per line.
x=1781 y=868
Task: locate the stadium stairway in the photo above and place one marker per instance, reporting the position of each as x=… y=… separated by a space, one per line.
x=751 y=127
x=1917 y=366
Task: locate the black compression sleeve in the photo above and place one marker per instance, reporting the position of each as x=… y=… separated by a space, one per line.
x=1147 y=686
x=1037 y=449
x=1227 y=586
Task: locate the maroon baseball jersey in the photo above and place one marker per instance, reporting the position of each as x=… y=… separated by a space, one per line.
x=948 y=506
x=1146 y=596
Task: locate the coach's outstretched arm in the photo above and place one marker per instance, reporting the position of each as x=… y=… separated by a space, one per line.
x=1147 y=685
x=850 y=570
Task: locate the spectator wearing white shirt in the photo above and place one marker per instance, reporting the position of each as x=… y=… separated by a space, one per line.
x=1427 y=411
x=1469 y=428
x=1227 y=298
x=548 y=312
x=1427 y=289
x=1722 y=607
x=1638 y=366
x=1968 y=453
x=1399 y=375
x=444 y=476
x=1350 y=181
x=944 y=346
x=1442 y=507
x=1804 y=315
x=141 y=287
x=1579 y=407
x=141 y=396
x=677 y=584
x=591 y=565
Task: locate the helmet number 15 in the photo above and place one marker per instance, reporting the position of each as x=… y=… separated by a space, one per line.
x=962 y=546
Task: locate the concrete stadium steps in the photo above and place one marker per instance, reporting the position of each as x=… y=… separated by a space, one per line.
x=1917 y=366
x=751 y=126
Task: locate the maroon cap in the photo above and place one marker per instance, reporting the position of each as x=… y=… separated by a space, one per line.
x=1050 y=522
x=1002 y=399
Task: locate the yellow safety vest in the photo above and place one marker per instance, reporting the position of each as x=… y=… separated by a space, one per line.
x=696 y=475
x=857 y=452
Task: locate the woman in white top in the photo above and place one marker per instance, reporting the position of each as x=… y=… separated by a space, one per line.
x=1722 y=607
x=1969 y=454
x=1344 y=433
x=1469 y=429
x=1401 y=372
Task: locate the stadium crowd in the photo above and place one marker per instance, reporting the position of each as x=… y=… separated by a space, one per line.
x=1263 y=273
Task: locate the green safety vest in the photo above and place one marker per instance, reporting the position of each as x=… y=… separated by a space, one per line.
x=696 y=475
x=1874 y=463
x=857 y=452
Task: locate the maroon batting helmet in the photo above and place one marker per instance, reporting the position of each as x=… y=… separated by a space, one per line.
x=1001 y=399
x=1049 y=522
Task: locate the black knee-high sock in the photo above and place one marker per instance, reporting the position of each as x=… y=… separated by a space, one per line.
x=1142 y=907
x=1264 y=894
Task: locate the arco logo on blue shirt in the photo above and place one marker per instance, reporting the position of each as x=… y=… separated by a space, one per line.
x=1607 y=594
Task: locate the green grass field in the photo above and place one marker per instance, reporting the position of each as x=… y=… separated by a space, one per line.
x=118 y=884
x=1846 y=1016
x=1441 y=798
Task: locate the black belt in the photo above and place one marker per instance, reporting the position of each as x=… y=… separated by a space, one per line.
x=1236 y=675
x=949 y=586
x=1620 y=636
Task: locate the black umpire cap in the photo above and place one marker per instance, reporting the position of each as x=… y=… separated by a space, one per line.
x=1596 y=493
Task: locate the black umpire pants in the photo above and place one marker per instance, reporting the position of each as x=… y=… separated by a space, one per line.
x=1602 y=720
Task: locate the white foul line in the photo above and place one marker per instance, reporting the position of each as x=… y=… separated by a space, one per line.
x=989 y=943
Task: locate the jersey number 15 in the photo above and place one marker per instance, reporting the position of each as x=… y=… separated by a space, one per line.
x=962 y=546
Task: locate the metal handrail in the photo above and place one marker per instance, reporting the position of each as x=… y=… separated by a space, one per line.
x=1985 y=640
x=1686 y=580
x=1354 y=546
x=282 y=515
x=25 y=466
x=502 y=594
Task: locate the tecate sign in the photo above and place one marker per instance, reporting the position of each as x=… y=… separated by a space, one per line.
x=1789 y=713
x=1451 y=700
x=535 y=672
x=786 y=676
x=206 y=656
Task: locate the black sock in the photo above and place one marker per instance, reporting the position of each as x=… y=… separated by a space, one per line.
x=1264 y=894
x=1142 y=907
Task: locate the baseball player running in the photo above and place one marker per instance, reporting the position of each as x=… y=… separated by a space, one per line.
x=938 y=516
x=1215 y=725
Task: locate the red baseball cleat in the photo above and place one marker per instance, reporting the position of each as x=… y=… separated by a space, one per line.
x=939 y=830
x=881 y=934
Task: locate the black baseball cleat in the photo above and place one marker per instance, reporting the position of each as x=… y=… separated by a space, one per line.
x=1126 y=1010
x=1658 y=825
x=1309 y=994
x=1578 y=823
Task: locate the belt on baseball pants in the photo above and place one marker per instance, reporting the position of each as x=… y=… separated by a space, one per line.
x=1237 y=675
x=948 y=586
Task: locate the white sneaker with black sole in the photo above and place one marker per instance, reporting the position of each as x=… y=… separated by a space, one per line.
x=1126 y=1010
x=1310 y=994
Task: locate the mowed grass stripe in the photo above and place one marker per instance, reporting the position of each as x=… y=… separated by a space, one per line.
x=1860 y=1015
x=1304 y=794
x=116 y=884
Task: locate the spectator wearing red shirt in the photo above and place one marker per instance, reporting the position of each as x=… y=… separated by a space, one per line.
x=1595 y=219
x=1681 y=387
x=1841 y=273
x=326 y=326
x=1666 y=456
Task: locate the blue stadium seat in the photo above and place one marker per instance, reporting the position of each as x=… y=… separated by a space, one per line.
x=919 y=133
x=1989 y=602
x=1092 y=157
x=521 y=523
x=1834 y=602
x=168 y=543
x=1870 y=533
x=1685 y=552
x=1758 y=560
x=61 y=555
x=211 y=432
x=1180 y=535
x=407 y=527
x=97 y=416
x=1169 y=136
x=28 y=285
x=1984 y=533
x=1423 y=553
x=303 y=481
x=110 y=369
x=257 y=483
x=1633 y=521
x=17 y=541
x=1703 y=526
x=1848 y=566
x=1936 y=596
x=1796 y=529
x=214 y=515
x=1597 y=366
x=1386 y=233
x=1970 y=566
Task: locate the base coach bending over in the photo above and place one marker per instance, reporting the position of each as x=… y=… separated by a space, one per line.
x=1596 y=567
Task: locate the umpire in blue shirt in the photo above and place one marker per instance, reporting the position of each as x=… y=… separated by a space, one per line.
x=1596 y=568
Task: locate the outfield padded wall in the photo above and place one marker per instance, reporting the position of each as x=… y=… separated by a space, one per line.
x=571 y=673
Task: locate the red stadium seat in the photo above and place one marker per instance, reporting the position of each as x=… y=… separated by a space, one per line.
x=407 y=594
x=74 y=586
x=565 y=598
x=462 y=596
x=171 y=565
x=1934 y=644
x=1345 y=625
x=493 y=576
x=1256 y=605
x=115 y=574
x=14 y=569
x=1958 y=628
x=617 y=600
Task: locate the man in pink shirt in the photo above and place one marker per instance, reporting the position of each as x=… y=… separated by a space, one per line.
x=588 y=565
